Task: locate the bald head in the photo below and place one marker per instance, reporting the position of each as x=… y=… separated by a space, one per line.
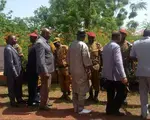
x=116 y=36
x=45 y=33
x=11 y=39
x=146 y=33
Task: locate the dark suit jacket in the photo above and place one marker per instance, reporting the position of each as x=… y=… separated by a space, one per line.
x=12 y=62
x=31 y=65
x=44 y=56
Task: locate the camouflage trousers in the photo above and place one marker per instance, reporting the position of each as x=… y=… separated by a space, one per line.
x=64 y=79
x=95 y=80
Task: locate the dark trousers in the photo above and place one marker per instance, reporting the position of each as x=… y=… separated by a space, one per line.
x=32 y=87
x=115 y=96
x=14 y=89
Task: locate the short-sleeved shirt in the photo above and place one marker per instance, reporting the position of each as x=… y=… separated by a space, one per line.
x=62 y=56
x=125 y=50
x=95 y=50
x=141 y=51
x=18 y=49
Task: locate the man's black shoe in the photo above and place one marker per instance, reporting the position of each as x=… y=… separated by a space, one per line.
x=119 y=114
x=34 y=104
x=109 y=113
x=14 y=105
x=21 y=102
x=44 y=108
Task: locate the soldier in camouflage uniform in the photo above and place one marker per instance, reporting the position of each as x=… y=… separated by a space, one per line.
x=125 y=50
x=95 y=50
x=18 y=49
x=63 y=73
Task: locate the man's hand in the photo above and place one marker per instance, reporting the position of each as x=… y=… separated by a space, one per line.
x=124 y=81
x=44 y=75
x=88 y=72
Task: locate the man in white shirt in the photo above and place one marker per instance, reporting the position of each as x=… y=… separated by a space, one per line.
x=141 y=52
x=79 y=66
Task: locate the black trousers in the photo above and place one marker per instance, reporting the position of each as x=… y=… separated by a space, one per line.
x=32 y=87
x=115 y=95
x=14 y=89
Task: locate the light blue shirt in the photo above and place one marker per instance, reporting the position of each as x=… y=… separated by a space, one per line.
x=141 y=51
x=112 y=62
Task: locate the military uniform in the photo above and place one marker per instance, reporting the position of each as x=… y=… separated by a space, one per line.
x=125 y=50
x=18 y=49
x=63 y=74
x=95 y=51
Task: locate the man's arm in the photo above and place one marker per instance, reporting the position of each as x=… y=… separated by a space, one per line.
x=40 y=58
x=118 y=61
x=8 y=58
x=86 y=57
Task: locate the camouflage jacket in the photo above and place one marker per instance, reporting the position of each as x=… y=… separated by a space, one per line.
x=61 y=56
x=18 y=48
x=125 y=50
x=95 y=51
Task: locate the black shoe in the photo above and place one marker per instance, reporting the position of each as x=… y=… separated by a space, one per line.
x=62 y=97
x=14 y=105
x=119 y=114
x=22 y=102
x=44 y=108
x=34 y=104
x=125 y=103
x=37 y=101
x=67 y=98
x=69 y=92
x=96 y=100
x=90 y=98
x=109 y=113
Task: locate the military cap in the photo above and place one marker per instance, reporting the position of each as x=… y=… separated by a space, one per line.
x=33 y=35
x=123 y=31
x=91 y=34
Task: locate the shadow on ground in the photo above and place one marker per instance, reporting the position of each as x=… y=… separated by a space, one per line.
x=68 y=113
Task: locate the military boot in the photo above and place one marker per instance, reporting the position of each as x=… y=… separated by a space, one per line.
x=63 y=96
x=96 y=97
x=91 y=94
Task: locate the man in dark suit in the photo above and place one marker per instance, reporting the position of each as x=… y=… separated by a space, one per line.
x=45 y=66
x=31 y=71
x=12 y=70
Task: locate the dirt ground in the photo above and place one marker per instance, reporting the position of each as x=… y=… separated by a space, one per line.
x=63 y=110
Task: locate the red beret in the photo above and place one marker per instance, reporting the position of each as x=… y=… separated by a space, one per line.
x=33 y=35
x=123 y=31
x=91 y=34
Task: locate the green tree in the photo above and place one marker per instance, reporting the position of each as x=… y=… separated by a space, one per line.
x=146 y=25
x=135 y=7
x=132 y=25
x=2 y=5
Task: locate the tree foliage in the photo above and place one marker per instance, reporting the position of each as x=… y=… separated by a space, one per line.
x=65 y=16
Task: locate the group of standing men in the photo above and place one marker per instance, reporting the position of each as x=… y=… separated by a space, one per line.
x=40 y=63
x=114 y=72
x=77 y=64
